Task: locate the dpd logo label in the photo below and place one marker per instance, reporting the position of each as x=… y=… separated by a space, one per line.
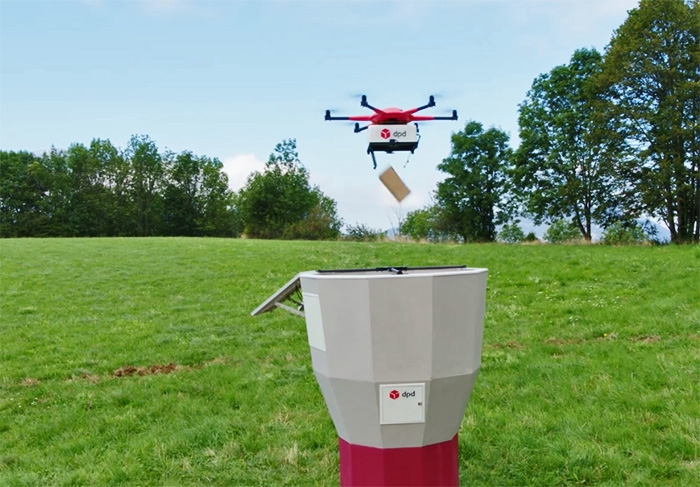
x=402 y=403
x=394 y=394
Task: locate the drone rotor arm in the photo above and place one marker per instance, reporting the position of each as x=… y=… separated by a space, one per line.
x=430 y=104
x=363 y=103
x=356 y=118
x=425 y=118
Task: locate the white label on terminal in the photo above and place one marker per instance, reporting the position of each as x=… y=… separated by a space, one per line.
x=402 y=403
x=314 y=324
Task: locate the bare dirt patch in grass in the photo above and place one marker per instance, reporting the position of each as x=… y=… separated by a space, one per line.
x=134 y=371
x=130 y=370
x=29 y=382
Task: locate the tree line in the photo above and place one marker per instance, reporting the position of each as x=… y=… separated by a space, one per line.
x=102 y=191
x=605 y=139
x=99 y=190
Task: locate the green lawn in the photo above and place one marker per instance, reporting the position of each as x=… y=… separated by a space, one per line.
x=590 y=369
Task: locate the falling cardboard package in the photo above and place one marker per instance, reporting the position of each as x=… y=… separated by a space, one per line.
x=394 y=184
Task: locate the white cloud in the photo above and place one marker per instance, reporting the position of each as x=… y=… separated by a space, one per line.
x=239 y=167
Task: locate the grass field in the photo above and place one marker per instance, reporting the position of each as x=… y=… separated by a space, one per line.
x=135 y=362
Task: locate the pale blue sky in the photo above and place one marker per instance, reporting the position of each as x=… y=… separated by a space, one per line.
x=230 y=79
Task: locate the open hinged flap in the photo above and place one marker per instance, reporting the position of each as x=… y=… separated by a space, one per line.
x=290 y=292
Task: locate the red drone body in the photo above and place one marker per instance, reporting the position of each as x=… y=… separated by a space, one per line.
x=384 y=135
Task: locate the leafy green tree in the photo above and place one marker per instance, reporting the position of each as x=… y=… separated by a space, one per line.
x=511 y=233
x=417 y=224
x=182 y=208
x=363 y=233
x=623 y=233
x=424 y=224
x=652 y=83
x=281 y=203
x=32 y=194
x=55 y=173
x=564 y=165
x=562 y=231
x=197 y=200
x=474 y=198
x=23 y=185
x=219 y=215
x=320 y=223
x=530 y=237
x=146 y=182
x=88 y=197
x=114 y=179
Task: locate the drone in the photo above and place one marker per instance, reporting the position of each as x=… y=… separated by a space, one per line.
x=391 y=129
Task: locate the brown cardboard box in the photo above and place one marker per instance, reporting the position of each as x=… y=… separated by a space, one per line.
x=394 y=184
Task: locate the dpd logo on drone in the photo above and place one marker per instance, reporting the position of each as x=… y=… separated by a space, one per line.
x=386 y=133
x=394 y=394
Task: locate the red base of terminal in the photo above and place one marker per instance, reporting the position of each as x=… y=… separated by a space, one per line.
x=430 y=465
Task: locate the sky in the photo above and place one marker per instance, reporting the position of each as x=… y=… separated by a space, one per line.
x=231 y=79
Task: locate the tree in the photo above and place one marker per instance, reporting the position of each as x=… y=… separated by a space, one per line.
x=88 y=198
x=562 y=231
x=359 y=232
x=624 y=233
x=281 y=203
x=564 y=165
x=181 y=208
x=114 y=172
x=424 y=224
x=24 y=184
x=146 y=181
x=219 y=215
x=511 y=233
x=652 y=84
x=475 y=196
x=320 y=223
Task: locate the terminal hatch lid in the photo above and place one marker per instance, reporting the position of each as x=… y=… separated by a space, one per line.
x=289 y=292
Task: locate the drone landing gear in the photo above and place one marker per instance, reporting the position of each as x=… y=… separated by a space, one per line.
x=374 y=159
